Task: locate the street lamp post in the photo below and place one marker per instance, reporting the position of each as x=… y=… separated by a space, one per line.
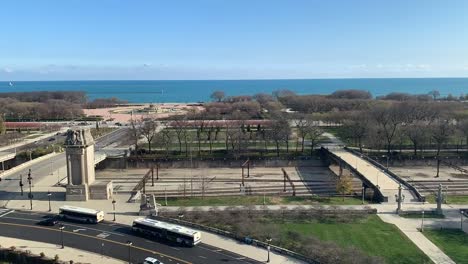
x=30 y=195
x=49 y=194
x=422 y=221
x=113 y=207
x=461 y=219
x=61 y=234
x=268 y=240
x=363 y=193
x=129 y=244
x=21 y=184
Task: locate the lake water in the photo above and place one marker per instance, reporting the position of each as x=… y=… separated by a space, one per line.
x=194 y=91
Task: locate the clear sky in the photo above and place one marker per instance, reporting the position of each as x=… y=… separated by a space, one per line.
x=232 y=39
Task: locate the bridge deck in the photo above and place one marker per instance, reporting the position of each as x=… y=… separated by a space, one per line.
x=4 y=156
x=388 y=186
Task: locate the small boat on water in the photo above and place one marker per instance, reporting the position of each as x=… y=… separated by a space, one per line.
x=11 y=84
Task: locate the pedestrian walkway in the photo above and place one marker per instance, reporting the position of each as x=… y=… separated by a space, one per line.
x=387 y=185
x=50 y=250
x=409 y=227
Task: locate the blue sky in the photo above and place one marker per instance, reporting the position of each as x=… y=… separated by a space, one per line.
x=232 y=39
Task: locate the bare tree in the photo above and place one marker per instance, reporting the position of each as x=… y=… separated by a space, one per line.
x=148 y=130
x=388 y=119
x=441 y=132
x=463 y=128
x=180 y=129
x=417 y=133
x=302 y=126
x=134 y=132
x=279 y=132
x=357 y=126
x=2 y=125
x=314 y=132
x=218 y=96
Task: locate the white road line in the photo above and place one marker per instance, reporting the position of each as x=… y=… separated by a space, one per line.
x=175 y=248
x=216 y=251
x=67 y=224
x=202 y=257
x=4 y=212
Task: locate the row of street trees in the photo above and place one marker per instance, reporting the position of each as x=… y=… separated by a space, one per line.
x=236 y=137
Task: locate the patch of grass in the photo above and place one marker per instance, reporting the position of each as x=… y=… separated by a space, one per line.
x=258 y=200
x=452 y=242
x=371 y=235
x=450 y=199
x=216 y=201
x=321 y=200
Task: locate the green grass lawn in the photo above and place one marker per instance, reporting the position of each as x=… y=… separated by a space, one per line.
x=450 y=199
x=371 y=235
x=453 y=242
x=258 y=200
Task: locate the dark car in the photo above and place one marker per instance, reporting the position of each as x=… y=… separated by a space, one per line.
x=51 y=139
x=48 y=222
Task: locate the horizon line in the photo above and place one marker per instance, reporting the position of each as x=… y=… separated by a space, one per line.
x=257 y=79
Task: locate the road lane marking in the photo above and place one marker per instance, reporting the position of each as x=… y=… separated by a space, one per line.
x=103 y=235
x=4 y=212
x=93 y=237
x=78 y=230
x=226 y=255
x=66 y=223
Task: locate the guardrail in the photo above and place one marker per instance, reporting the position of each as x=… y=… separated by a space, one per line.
x=28 y=164
x=420 y=197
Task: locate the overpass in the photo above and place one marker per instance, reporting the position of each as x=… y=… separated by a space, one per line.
x=373 y=175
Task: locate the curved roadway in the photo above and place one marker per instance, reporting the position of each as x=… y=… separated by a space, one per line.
x=110 y=239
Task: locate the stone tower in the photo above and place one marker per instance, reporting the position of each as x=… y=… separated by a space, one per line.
x=79 y=151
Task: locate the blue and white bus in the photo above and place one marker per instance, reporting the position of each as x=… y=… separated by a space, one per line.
x=167 y=231
x=81 y=214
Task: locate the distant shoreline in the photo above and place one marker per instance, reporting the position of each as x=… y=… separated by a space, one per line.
x=183 y=91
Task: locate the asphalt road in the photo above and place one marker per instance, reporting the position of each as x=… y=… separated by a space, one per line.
x=110 y=239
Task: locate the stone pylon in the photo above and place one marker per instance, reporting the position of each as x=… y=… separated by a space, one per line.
x=79 y=152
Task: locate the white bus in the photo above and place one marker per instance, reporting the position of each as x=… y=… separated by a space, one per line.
x=163 y=230
x=81 y=214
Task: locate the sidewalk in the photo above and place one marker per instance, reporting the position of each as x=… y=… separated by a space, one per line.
x=50 y=250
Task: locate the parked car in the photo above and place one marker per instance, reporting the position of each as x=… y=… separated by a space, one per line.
x=150 y=260
x=48 y=222
x=51 y=139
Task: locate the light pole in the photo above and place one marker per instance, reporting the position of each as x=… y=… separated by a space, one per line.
x=49 y=195
x=422 y=221
x=461 y=219
x=113 y=207
x=268 y=240
x=21 y=184
x=61 y=227
x=129 y=244
x=363 y=193
x=30 y=195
